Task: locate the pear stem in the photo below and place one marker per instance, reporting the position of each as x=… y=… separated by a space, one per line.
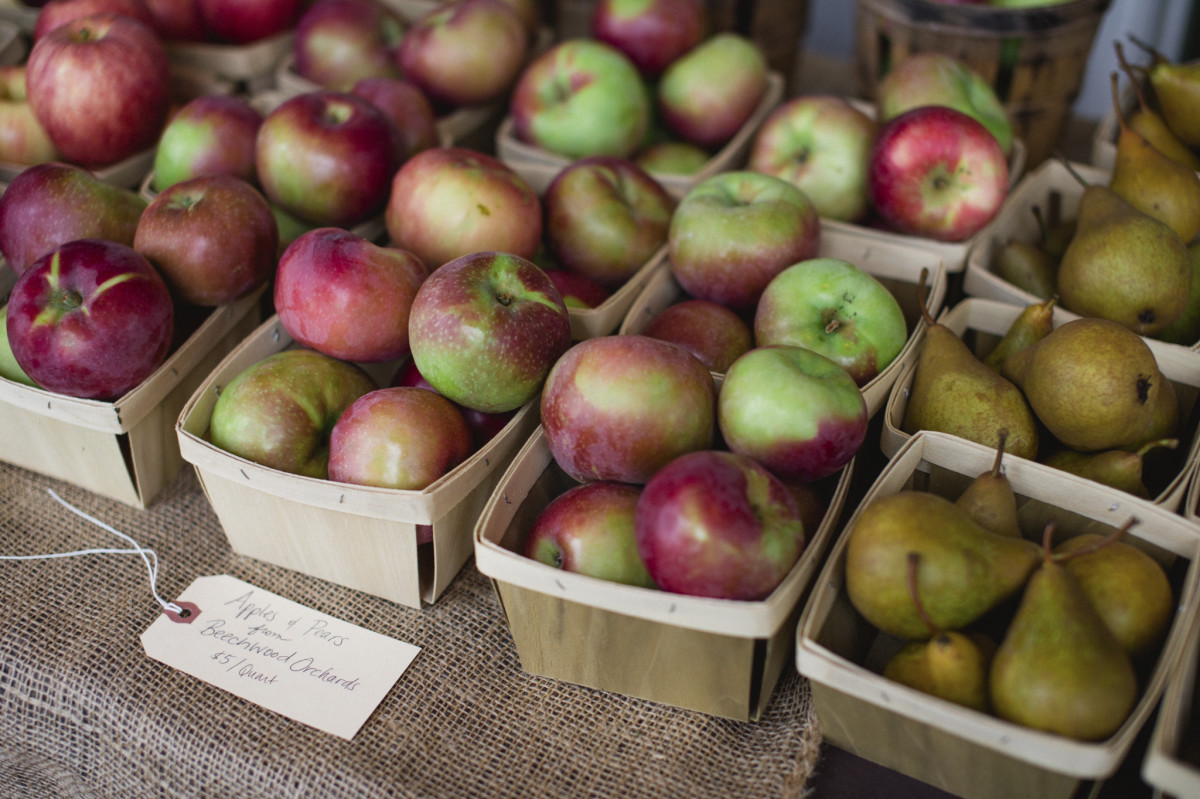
x=1111 y=538
x=1002 y=437
x=1047 y=538
x=1159 y=57
x=1166 y=443
x=1116 y=98
x=1071 y=169
x=914 y=559
x=1129 y=70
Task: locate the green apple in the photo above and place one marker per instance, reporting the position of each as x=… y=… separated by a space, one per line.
x=709 y=93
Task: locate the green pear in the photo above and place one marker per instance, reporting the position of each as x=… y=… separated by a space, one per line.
x=1176 y=88
x=966 y=569
x=1027 y=267
x=1116 y=468
x=1058 y=667
x=1185 y=329
x=989 y=499
x=1093 y=383
x=1150 y=123
x=1031 y=325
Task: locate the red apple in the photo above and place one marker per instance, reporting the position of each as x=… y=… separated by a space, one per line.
x=447 y=202
x=605 y=217
x=620 y=407
x=177 y=20
x=579 y=98
x=52 y=203
x=486 y=328
x=718 y=524
x=397 y=437
x=710 y=331
x=338 y=42
x=327 y=157
x=937 y=173
x=280 y=411
x=820 y=143
x=589 y=530
x=483 y=426
x=708 y=94
x=212 y=238
x=246 y=21
x=653 y=33
x=23 y=140
x=345 y=296
x=404 y=103
x=733 y=232
x=90 y=319
x=101 y=87
x=578 y=291
x=465 y=53
x=57 y=12
x=793 y=410
x=213 y=134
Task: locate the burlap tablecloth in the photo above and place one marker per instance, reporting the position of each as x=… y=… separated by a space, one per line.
x=85 y=713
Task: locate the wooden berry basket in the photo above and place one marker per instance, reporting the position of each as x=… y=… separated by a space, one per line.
x=1170 y=766
x=251 y=65
x=124 y=449
x=1034 y=58
x=361 y=537
x=966 y=752
x=897 y=266
x=719 y=657
x=981 y=323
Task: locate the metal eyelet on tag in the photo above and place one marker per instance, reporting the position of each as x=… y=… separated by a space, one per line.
x=188 y=612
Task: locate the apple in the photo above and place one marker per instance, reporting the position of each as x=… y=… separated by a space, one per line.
x=447 y=202
x=483 y=426
x=718 y=524
x=581 y=97
x=346 y=296
x=485 y=329
x=404 y=103
x=936 y=173
x=620 y=407
x=90 y=319
x=933 y=78
x=833 y=307
x=708 y=94
x=243 y=22
x=49 y=204
x=672 y=158
x=23 y=140
x=793 y=410
x=397 y=437
x=338 y=42
x=589 y=530
x=327 y=157
x=177 y=20
x=820 y=143
x=57 y=12
x=213 y=134
x=465 y=53
x=212 y=238
x=653 y=33
x=578 y=291
x=101 y=87
x=733 y=232
x=279 y=412
x=710 y=331
x=9 y=368
x=605 y=217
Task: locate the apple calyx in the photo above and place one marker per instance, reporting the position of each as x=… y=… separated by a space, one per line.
x=87 y=33
x=337 y=113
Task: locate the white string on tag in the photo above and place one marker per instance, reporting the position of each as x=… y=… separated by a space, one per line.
x=149 y=556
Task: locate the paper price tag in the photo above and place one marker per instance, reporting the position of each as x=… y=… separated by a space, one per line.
x=279 y=654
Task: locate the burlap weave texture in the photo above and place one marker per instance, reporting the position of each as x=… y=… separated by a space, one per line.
x=85 y=713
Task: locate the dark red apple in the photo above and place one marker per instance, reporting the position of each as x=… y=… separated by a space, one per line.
x=404 y=103
x=653 y=33
x=338 y=42
x=578 y=291
x=710 y=331
x=213 y=134
x=484 y=426
x=245 y=21
x=57 y=12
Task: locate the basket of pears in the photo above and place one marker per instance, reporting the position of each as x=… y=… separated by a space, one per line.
x=1085 y=395
x=993 y=626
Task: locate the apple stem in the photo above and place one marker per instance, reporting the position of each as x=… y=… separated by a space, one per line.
x=833 y=325
x=504 y=298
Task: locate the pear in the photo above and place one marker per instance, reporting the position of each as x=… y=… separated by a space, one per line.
x=1058 y=667
x=1093 y=383
x=1150 y=124
x=1153 y=182
x=954 y=392
x=1031 y=325
x=1129 y=589
x=1124 y=265
x=1116 y=468
x=966 y=569
x=1185 y=329
x=989 y=498
x=1164 y=420
x=1176 y=87
x=1055 y=233
x=950 y=665
x=1027 y=267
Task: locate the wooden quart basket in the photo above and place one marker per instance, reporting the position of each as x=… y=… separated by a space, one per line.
x=966 y=752
x=981 y=323
x=715 y=656
x=1035 y=58
x=361 y=537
